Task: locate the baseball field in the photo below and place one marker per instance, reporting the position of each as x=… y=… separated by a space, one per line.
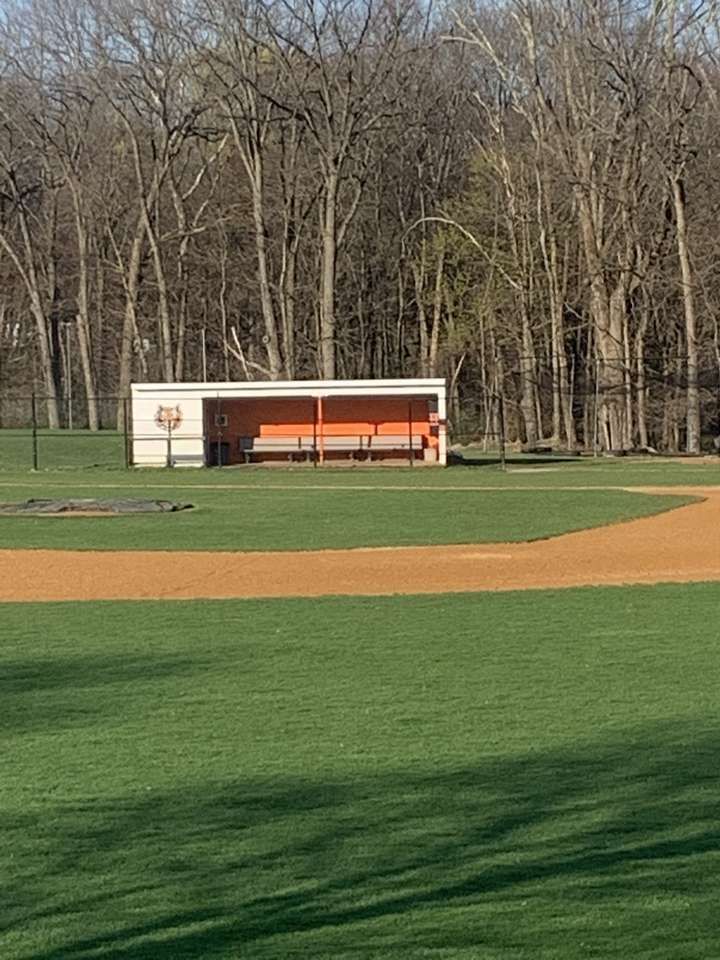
x=354 y=714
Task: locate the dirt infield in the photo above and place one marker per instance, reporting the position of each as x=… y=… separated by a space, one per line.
x=681 y=545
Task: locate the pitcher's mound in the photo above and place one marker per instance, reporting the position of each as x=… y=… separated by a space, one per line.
x=89 y=507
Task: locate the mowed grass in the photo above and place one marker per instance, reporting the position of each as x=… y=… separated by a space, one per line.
x=303 y=518
x=477 y=777
x=61 y=449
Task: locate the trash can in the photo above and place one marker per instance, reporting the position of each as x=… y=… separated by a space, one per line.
x=212 y=457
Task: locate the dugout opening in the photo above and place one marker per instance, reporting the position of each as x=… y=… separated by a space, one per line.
x=320 y=429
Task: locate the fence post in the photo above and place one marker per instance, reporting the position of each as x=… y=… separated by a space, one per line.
x=34 y=433
x=126 y=436
x=168 y=456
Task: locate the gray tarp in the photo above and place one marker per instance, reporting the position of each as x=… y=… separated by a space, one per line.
x=114 y=505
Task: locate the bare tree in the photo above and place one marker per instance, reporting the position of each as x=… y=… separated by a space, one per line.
x=26 y=183
x=337 y=64
x=681 y=91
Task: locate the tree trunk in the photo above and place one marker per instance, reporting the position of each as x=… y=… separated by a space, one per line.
x=47 y=362
x=82 y=322
x=166 y=351
x=608 y=317
x=434 y=345
x=222 y=295
x=692 y=392
x=528 y=376
x=327 y=277
x=418 y=272
x=562 y=401
x=181 y=329
x=641 y=390
x=270 y=339
x=287 y=305
x=130 y=328
x=28 y=273
x=589 y=397
x=610 y=323
x=627 y=377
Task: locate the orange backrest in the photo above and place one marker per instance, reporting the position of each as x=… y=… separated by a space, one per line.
x=341 y=416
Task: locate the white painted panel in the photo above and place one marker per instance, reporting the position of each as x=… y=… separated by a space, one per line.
x=297 y=388
x=150 y=437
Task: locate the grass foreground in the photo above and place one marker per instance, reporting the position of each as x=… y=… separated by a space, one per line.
x=471 y=777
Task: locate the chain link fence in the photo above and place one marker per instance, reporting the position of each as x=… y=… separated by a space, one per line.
x=650 y=403
x=485 y=421
x=28 y=442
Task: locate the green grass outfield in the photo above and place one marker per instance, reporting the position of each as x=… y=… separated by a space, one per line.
x=61 y=449
x=300 y=517
x=473 y=777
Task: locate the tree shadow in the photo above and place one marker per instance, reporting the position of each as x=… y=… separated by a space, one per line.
x=524 y=460
x=40 y=693
x=385 y=863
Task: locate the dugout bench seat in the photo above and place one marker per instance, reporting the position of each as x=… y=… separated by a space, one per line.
x=358 y=446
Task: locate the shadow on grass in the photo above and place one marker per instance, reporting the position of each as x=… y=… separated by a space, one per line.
x=46 y=693
x=541 y=849
x=526 y=460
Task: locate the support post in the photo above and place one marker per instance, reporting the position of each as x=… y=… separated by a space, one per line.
x=219 y=430
x=410 y=434
x=320 y=425
x=34 y=432
x=168 y=454
x=315 y=449
x=127 y=456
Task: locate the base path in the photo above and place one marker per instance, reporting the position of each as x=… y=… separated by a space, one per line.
x=680 y=545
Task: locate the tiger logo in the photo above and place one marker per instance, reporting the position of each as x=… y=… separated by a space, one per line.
x=168 y=418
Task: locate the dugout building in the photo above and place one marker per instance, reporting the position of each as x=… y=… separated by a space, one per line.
x=311 y=421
